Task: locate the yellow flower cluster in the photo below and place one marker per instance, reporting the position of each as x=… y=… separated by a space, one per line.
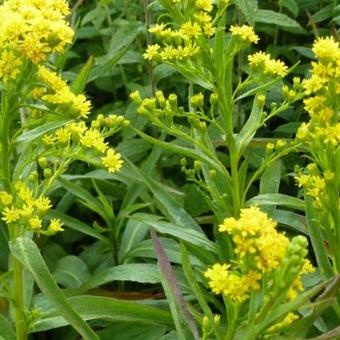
x=322 y=132
x=245 y=33
x=226 y=282
x=28 y=210
x=262 y=63
x=59 y=93
x=314 y=184
x=78 y=137
x=184 y=42
x=31 y=29
x=327 y=69
x=254 y=235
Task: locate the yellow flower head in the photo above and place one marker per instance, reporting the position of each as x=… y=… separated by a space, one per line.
x=10 y=215
x=327 y=48
x=253 y=234
x=112 y=161
x=245 y=33
x=261 y=61
x=5 y=198
x=151 y=52
x=35 y=28
x=205 y=5
x=55 y=226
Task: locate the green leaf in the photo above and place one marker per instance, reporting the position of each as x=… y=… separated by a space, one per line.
x=134 y=233
x=94 y=307
x=189 y=235
x=270 y=183
x=38 y=132
x=136 y=272
x=250 y=127
x=26 y=251
x=71 y=272
x=80 y=82
x=292 y=220
x=137 y=332
x=277 y=199
x=248 y=8
x=75 y=224
x=291 y=5
x=145 y=249
x=318 y=240
x=173 y=210
x=270 y=17
x=6 y=330
x=119 y=44
x=191 y=278
x=87 y=199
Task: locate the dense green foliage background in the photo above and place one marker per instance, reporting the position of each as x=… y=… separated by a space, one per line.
x=108 y=216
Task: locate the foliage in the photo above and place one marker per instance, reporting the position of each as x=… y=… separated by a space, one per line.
x=192 y=192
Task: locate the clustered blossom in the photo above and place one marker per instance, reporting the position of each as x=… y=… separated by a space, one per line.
x=262 y=63
x=254 y=235
x=182 y=43
x=322 y=132
x=31 y=30
x=28 y=210
x=56 y=92
x=245 y=33
x=81 y=142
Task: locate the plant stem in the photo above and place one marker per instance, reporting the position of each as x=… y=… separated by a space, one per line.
x=14 y=230
x=235 y=182
x=20 y=320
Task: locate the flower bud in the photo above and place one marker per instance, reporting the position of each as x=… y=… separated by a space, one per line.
x=42 y=161
x=47 y=173
x=135 y=96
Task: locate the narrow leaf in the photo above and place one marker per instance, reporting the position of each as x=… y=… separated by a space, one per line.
x=26 y=251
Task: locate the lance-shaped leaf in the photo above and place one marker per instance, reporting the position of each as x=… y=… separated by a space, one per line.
x=26 y=251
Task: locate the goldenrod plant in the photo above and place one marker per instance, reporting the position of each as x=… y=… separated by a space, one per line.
x=43 y=129
x=259 y=270
x=320 y=141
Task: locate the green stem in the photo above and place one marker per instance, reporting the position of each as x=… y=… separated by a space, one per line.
x=14 y=230
x=20 y=319
x=235 y=182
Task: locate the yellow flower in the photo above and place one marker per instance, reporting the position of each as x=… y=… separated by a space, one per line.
x=93 y=138
x=35 y=223
x=326 y=48
x=62 y=136
x=205 y=5
x=254 y=234
x=151 y=52
x=9 y=65
x=190 y=30
x=261 y=61
x=55 y=226
x=10 y=215
x=43 y=204
x=112 y=161
x=245 y=33
x=5 y=198
x=218 y=276
x=235 y=286
x=35 y=28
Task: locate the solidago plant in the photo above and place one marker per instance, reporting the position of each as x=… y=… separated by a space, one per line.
x=43 y=129
x=259 y=274
x=320 y=139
